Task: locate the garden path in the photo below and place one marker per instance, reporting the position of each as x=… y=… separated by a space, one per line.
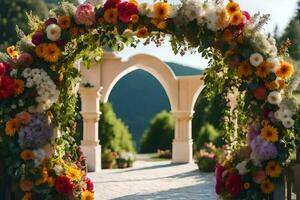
x=154 y=180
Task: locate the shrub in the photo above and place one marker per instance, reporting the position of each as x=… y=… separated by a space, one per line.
x=207 y=158
x=166 y=154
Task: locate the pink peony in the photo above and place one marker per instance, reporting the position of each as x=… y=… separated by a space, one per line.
x=85 y=14
x=37 y=38
x=3 y=68
x=234 y=184
x=126 y=10
x=25 y=59
x=111 y=4
x=26 y=185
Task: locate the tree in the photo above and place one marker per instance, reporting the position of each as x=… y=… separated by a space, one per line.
x=12 y=13
x=113 y=133
x=160 y=133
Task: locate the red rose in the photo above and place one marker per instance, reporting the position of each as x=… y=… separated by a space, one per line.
x=7 y=87
x=260 y=93
x=64 y=185
x=89 y=184
x=234 y=184
x=219 y=178
x=111 y=4
x=126 y=10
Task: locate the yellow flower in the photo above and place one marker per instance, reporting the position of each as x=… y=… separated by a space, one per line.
x=11 y=51
x=246 y=185
x=111 y=15
x=39 y=50
x=286 y=70
x=134 y=2
x=244 y=69
x=236 y=18
x=223 y=19
x=73 y=173
x=281 y=83
x=262 y=70
x=87 y=195
x=27 y=154
x=27 y=196
x=232 y=7
x=134 y=19
x=272 y=85
x=273 y=169
x=64 y=22
x=19 y=87
x=11 y=127
x=142 y=32
x=161 y=10
x=267 y=187
x=269 y=133
x=52 y=53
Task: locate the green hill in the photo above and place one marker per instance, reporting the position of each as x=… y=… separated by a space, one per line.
x=138 y=97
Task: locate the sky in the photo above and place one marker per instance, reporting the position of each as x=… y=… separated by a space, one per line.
x=281 y=11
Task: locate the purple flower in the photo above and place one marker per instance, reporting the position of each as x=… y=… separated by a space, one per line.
x=51 y=20
x=37 y=133
x=37 y=38
x=253 y=132
x=264 y=149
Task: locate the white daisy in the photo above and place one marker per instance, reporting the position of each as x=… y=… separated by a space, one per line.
x=274 y=98
x=288 y=122
x=53 y=32
x=256 y=59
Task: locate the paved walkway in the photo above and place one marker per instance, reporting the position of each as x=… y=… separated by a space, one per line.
x=156 y=180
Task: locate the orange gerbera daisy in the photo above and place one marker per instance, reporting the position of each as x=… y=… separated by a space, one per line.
x=142 y=32
x=19 y=87
x=39 y=50
x=273 y=169
x=161 y=10
x=11 y=51
x=111 y=15
x=244 y=69
x=232 y=7
x=52 y=53
x=64 y=22
x=27 y=154
x=11 y=127
x=262 y=71
x=269 y=133
x=286 y=70
x=236 y=18
x=267 y=187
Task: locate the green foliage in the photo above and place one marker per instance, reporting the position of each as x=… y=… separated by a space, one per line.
x=160 y=133
x=113 y=133
x=52 y=3
x=13 y=13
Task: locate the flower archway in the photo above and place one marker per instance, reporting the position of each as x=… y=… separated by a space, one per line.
x=38 y=91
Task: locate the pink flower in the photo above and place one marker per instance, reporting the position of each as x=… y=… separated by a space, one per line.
x=126 y=10
x=111 y=4
x=25 y=59
x=234 y=184
x=3 y=68
x=85 y=14
x=26 y=185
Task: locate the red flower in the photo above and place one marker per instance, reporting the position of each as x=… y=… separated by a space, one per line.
x=219 y=178
x=7 y=87
x=111 y=4
x=89 y=184
x=234 y=184
x=64 y=185
x=3 y=68
x=246 y=20
x=126 y=10
x=260 y=93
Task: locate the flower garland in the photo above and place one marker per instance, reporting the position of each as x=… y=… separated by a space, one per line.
x=37 y=77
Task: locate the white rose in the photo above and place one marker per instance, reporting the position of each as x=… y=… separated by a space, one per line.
x=274 y=98
x=256 y=59
x=53 y=32
x=242 y=167
x=288 y=122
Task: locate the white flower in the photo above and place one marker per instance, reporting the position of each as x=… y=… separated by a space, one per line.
x=13 y=73
x=128 y=32
x=273 y=63
x=21 y=103
x=242 y=167
x=256 y=59
x=26 y=73
x=174 y=10
x=53 y=32
x=58 y=170
x=29 y=83
x=288 y=122
x=13 y=106
x=255 y=159
x=144 y=9
x=39 y=156
x=274 y=98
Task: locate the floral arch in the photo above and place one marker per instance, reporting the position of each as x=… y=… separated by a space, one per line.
x=38 y=91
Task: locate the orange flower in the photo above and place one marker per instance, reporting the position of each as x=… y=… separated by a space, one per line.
x=27 y=196
x=281 y=83
x=227 y=36
x=232 y=7
x=272 y=85
x=246 y=185
x=236 y=19
x=52 y=53
x=39 y=50
x=267 y=187
x=11 y=127
x=23 y=117
x=269 y=133
x=142 y=32
x=64 y=22
x=223 y=19
x=19 y=87
x=286 y=70
x=273 y=169
x=111 y=15
x=11 y=51
x=244 y=70
x=73 y=32
x=161 y=10
x=134 y=19
x=262 y=70
x=27 y=154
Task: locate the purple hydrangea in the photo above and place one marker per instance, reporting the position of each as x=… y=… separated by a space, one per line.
x=253 y=132
x=263 y=149
x=37 y=133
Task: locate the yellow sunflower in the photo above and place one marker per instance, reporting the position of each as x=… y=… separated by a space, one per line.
x=111 y=15
x=73 y=173
x=244 y=70
x=19 y=87
x=246 y=185
x=39 y=50
x=232 y=7
x=273 y=169
x=27 y=154
x=262 y=71
x=236 y=18
x=87 y=195
x=161 y=10
x=27 y=196
x=269 y=133
x=267 y=187
x=52 y=53
x=142 y=32
x=11 y=51
x=286 y=70
x=11 y=127
x=64 y=22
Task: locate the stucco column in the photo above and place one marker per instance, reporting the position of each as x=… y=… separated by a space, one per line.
x=182 y=144
x=90 y=111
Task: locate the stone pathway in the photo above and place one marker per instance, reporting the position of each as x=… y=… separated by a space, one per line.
x=154 y=180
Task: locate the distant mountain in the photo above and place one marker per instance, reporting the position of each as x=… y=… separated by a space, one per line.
x=138 y=97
